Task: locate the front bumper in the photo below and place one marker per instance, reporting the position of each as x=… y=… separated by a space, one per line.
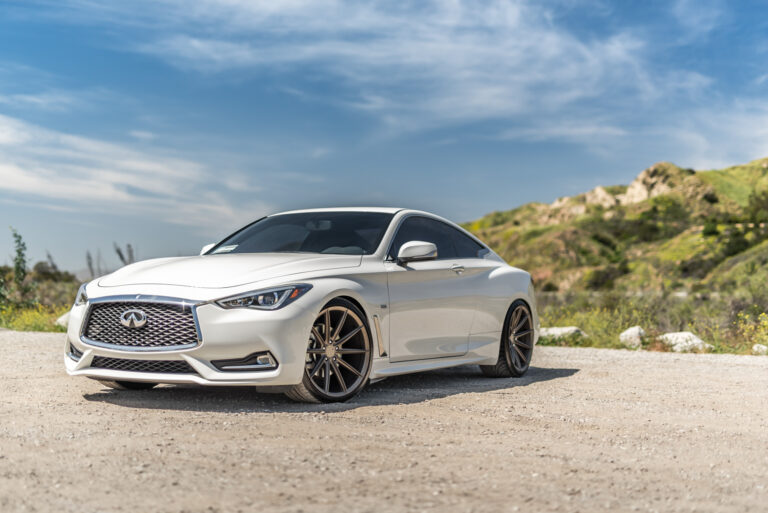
x=224 y=335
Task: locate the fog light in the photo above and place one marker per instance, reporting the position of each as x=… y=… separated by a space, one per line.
x=252 y=362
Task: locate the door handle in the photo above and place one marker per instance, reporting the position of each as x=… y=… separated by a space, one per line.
x=458 y=269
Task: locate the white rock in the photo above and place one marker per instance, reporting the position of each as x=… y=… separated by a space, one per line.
x=632 y=337
x=684 y=341
x=63 y=320
x=760 y=349
x=561 y=332
x=599 y=196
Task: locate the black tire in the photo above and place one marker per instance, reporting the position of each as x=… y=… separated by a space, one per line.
x=128 y=385
x=516 y=345
x=334 y=373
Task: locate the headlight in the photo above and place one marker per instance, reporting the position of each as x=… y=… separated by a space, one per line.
x=82 y=296
x=268 y=299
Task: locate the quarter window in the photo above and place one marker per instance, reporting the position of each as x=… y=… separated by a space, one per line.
x=465 y=246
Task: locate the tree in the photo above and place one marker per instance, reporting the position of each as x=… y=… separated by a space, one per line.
x=756 y=210
x=20 y=266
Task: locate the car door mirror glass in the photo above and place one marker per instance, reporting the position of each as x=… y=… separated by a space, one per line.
x=416 y=250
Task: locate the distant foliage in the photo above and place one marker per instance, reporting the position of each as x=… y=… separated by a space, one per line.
x=730 y=324
x=126 y=256
x=710 y=228
x=23 y=288
x=757 y=207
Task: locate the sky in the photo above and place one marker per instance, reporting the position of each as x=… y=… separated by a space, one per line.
x=168 y=124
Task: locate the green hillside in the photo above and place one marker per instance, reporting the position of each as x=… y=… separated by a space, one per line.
x=670 y=229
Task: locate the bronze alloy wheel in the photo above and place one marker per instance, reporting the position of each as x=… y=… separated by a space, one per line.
x=338 y=358
x=516 y=347
x=520 y=339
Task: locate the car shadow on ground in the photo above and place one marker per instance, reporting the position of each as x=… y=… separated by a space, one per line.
x=407 y=389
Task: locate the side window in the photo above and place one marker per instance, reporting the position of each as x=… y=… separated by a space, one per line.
x=465 y=246
x=427 y=230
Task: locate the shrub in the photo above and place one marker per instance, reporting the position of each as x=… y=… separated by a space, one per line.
x=710 y=228
x=34 y=318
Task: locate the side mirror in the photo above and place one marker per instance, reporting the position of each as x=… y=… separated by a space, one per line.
x=415 y=251
x=206 y=248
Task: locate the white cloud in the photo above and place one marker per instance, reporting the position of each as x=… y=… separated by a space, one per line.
x=698 y=17
x=720 y=135
x=569 y=131
x=51 y=100
x=99 y=176
x=413 y=64
x=142 y=135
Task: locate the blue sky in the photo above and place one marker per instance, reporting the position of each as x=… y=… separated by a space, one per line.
x=169 y=123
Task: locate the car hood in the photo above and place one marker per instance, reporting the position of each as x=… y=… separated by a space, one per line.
x=223 y=271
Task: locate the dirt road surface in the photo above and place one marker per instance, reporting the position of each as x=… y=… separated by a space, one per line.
x=586 y=430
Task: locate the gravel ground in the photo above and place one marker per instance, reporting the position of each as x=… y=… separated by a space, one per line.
x=586 y=430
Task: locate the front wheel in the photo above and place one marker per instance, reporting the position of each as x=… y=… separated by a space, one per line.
x=338 y=359
x=516 y=347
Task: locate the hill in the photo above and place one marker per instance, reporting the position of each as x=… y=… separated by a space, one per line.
x=672 y=228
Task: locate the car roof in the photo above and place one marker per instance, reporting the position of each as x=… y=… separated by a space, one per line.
x=382 y=210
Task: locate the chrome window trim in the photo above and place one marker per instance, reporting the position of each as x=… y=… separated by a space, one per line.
x=139 y=298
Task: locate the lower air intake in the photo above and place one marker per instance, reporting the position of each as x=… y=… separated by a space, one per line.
x=157 y=366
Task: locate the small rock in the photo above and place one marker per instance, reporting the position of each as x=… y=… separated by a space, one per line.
x=63 y=320
x=684 y=341
x=632 y=337
x=561 y=332
x=760 y=349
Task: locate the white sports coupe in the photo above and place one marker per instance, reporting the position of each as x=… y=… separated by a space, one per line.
x=313 y=303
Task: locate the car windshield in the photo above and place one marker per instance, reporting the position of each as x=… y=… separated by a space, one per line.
x=340 y=233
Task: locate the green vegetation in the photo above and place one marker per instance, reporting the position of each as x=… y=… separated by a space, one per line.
x=677 y=250
x=731 y=325
x=32 y=300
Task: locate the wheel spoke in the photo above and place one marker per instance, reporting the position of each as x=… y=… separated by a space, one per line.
x=339 y=377
x=342 y=350
x=517 y=335
x=327 y=327
x=327 y=375
x=522 y=344
x=318 y=337
x=349 y=367
x=522 y=356
x=348 y=336
x=516 y=317
x=337 y=331
x=523 y=321
x=317 y=367
x=316 y=350
x=514 y=356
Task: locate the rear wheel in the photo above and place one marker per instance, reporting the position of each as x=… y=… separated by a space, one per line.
x=516 y=347
x=338 y=359
x=128 y=385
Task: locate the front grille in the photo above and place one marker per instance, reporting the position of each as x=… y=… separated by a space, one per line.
x=168 y=325
x=160 y=366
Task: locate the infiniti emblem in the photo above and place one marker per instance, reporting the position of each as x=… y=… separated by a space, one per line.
x=133 y=319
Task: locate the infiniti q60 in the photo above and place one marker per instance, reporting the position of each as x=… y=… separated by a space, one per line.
x=313 y=303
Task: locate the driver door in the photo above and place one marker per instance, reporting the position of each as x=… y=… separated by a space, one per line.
x=431 y=303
